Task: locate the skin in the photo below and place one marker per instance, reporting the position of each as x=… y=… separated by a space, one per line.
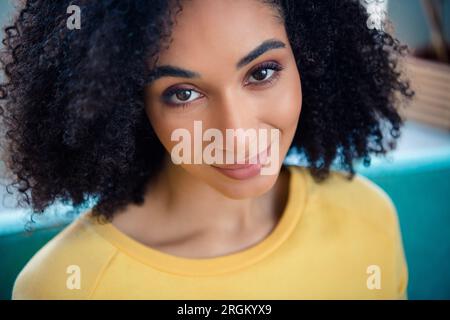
x=195 y=211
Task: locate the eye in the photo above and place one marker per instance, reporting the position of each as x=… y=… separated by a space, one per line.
x=266 y=72
x=180 y=97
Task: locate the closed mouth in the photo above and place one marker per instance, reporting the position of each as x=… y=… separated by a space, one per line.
x=244 y=165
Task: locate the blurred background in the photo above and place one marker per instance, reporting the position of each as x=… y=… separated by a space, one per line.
x=416 y=175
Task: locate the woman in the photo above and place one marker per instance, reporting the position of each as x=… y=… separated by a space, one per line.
x=94 y=112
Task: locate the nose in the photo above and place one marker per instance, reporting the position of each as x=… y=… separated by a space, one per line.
x=230 y=113
x=233 y=112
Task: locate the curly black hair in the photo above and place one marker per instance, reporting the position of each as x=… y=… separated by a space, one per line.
x=72 y=101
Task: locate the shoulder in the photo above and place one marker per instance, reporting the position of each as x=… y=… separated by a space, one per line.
x=67 y=267
x=353 y=201
x=359 y=222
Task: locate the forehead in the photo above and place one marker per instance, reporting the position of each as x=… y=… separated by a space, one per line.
x=205 y=31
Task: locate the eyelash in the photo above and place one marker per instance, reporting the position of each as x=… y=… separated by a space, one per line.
x=270 y=65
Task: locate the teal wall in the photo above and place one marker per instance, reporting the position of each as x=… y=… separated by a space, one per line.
x=6 y=10
x=410 y=21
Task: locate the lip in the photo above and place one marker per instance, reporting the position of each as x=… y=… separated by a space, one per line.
x=246 y=170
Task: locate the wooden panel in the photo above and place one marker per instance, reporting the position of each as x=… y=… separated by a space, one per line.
x=431 y=82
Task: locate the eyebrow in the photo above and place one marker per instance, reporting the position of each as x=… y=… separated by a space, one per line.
x=173 y=71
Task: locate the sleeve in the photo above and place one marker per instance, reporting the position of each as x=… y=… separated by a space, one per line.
x=401 y=267
x=68 y=267
x=398 y=257
x=381 y=212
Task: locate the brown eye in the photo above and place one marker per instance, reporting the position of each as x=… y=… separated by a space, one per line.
x=180 y=96
x=265 y=72
x=183 y=95
x=261 y=74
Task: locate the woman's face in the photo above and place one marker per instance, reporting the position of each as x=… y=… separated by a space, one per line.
x=223 y=87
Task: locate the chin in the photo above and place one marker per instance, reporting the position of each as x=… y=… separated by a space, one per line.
x=245 y=188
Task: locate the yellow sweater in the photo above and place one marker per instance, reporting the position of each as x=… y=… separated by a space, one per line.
x=335 y=240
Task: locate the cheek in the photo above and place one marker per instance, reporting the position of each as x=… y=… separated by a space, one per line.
x=286 y=103
x=163 y=127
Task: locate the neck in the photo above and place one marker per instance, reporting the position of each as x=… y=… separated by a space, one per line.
x=186 y=204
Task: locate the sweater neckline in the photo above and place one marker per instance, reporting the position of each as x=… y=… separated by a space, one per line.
x=170 y=263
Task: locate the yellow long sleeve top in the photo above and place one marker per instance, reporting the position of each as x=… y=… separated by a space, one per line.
x=336 y=239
